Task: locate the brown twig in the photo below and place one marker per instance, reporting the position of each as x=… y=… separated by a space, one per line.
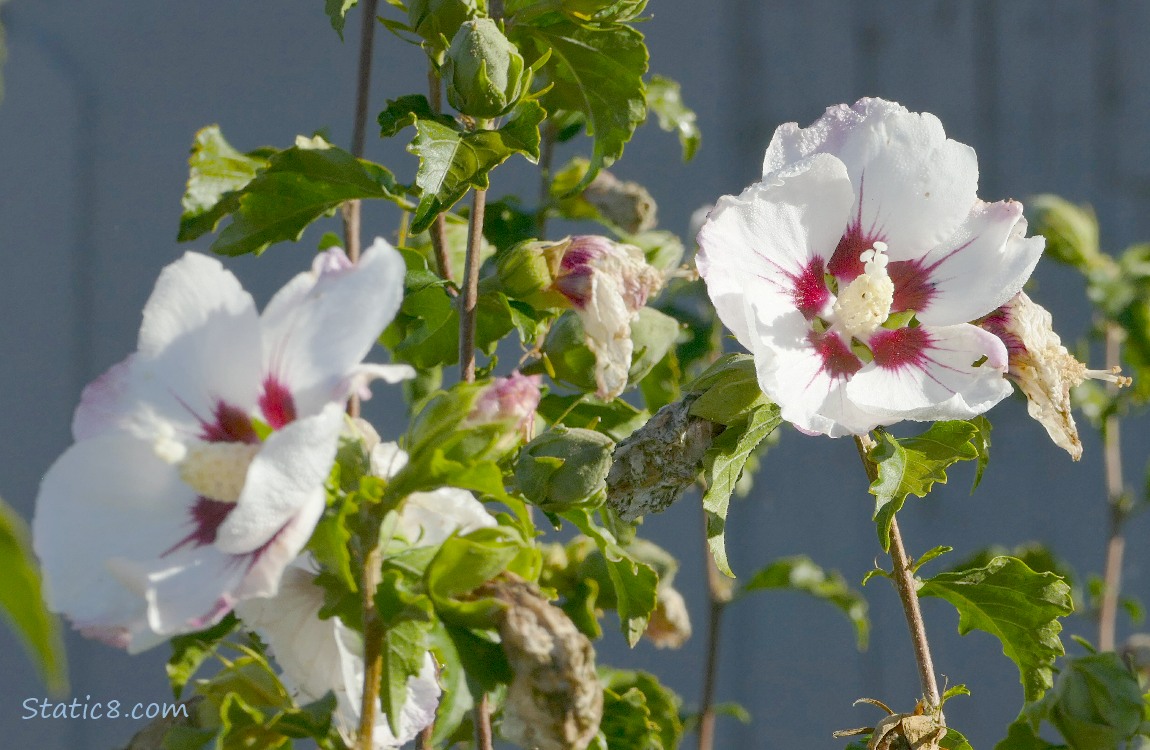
x=1115 y=495
x=904 y=583
x=718 y=595
x=470 y=299
x=483 y=734
x=423 y=740
x=438 y=230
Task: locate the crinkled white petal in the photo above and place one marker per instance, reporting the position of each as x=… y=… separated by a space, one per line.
x=981 y=266
x=913 y=186
x=946 y=384
x=319 y=327
x=607 y=333
x=429 y=518
x=756 y=244
x=283 y=478
x=317 y=656
x=794 y=376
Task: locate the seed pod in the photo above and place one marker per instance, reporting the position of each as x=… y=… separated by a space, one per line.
x=555 y=701
x=659 y=461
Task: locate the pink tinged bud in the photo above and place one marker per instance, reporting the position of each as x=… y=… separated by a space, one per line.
x=512 y=400
x=1043 y=368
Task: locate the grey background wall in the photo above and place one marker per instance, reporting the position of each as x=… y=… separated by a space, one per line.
x=102 y=100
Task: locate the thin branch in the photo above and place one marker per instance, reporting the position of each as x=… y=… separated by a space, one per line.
x=423 y=740
x=438 y=231
x=372 y=652
x=470 y=299
x=351 y=209
x=907 y=590
x=483 y=735
x=718 y=595
x=1115 y=495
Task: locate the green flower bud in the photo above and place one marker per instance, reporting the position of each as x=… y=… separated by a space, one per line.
x=527 y=272
x=484 y=72
x=565 y=468
x=435 y=19
x=1071 y=231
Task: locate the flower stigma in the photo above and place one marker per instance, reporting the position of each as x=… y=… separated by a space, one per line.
x=865 y=304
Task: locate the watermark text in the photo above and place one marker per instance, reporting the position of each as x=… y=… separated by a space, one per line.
x=88 y=709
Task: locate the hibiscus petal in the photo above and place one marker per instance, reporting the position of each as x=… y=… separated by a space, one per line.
x=979 y=268
x=772 y=242
x=104 y=401
x=929 y=373
x=807 y=381
x=319 y=327
x=89 y=510
x=199 y=343
x=913 y=185
x=428 y=518
x=282 y=481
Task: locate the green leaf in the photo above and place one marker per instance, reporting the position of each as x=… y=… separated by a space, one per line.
x=659 y=708
x=722 y=465
x=929 y=555
x=406 y=110
x=981 y=442
x=598 y=71
x=911 y=466
x=407 y=623
x=337 y=11
x=192 y=650
x=22 y=603
x=635 y=583
x=800 y=573
x=1022 y=736
x=1097 y=703
x=953 y=740
x=1016 y=605
x=464 y=563
x=617 y=419
x=216 y=171
x=298 y=186
x=452 y=161
x=666 y=100
x=727 y=390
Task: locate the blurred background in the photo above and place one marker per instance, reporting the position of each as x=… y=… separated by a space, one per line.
x=101 y=102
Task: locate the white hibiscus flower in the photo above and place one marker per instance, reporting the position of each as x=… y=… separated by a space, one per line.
x=853 y=269
x=198 y=471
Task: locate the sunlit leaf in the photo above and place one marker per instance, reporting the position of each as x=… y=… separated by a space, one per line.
x=1017 y=606
x=911 y=466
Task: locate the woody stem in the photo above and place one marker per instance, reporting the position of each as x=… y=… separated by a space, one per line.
x=904 y=583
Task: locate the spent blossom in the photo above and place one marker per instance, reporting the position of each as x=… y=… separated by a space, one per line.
x=199 y=463
x=853 y=269
x=1043 y=368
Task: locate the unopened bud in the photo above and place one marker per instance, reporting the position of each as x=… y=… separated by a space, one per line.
x=483 y=72
x=565 y=468
x=1071 y=231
